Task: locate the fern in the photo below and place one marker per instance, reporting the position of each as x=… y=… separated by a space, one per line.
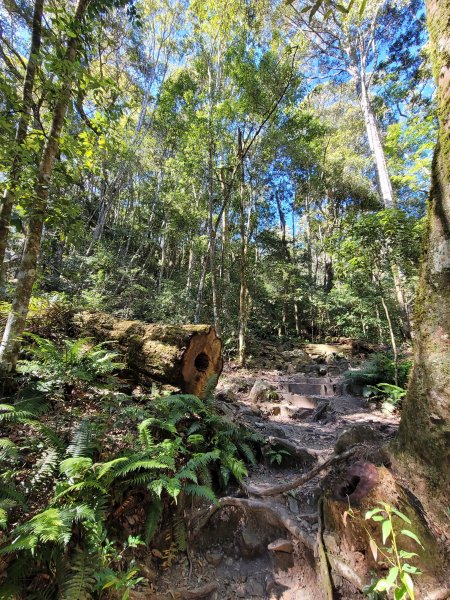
x=83 y=440
x=45 y=466
x=79 y=581
x=8 y=450
x=201 y=491
x=180 y=535
x=110 y=467
x=153 y=516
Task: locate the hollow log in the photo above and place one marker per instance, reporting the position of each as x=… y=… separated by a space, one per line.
x=185 y=356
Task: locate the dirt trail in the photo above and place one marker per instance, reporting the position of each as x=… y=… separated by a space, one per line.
x=265 y=548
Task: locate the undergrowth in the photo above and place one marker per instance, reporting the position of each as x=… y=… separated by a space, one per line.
x=81 y=456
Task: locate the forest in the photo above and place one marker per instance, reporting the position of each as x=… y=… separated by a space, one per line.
x=224 y=299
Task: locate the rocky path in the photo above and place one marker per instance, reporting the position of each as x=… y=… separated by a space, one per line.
x=266 y=548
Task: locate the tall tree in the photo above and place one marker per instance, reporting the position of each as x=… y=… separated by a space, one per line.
x=9 y=347
x=425 y=424
x=21 y=132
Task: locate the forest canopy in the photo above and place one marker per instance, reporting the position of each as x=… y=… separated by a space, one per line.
x=246 y=164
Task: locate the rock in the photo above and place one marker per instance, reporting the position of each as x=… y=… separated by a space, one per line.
x=227 y=394
x=250 y=411
x=214 y=558
x=356 y=434
x=388 y=409
x=251 y=544
x=255 y=588
x=148 y=572
x=281 y=545
x=293 y=505
x=261 y=392
x=330 y=543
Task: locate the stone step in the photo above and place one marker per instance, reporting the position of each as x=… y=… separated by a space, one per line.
x=291 y=412
x=299 y=401
x=311 y=389
x=314 y=380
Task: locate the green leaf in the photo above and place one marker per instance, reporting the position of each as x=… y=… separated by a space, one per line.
x=410 y=569
x=362 y=8
x=369 y=514
x=400 y=592
x=409 y=585
x=392 y=577
x=401 y=515
x=411 y=535
x=381 y=585
x=314 y=9
x=405 y=554
x=386 y=530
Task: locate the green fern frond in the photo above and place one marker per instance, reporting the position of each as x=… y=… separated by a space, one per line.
x=247 y=452
x=153 y=516
x=145 y=437
x=80 y=581
x=83 y=440
x=201 y=459
x=148 y=464
x=8 y=491
x=75 y=466
x=45 y=466
x=201 y=491
x=180 y=534
x=105 y=468
x=78 y=487
x=9 y=414
x=8 y=449
x=210 y=386
x=187 y=473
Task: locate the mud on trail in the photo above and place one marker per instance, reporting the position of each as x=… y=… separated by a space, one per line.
x=254 y=545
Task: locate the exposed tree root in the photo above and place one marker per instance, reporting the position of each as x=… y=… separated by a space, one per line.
x=324 y=568
x=298 y=481
x=183 y=593
x=299 y=452
x=273 y=513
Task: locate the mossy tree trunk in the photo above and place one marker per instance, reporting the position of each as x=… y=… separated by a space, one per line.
x=425 y=425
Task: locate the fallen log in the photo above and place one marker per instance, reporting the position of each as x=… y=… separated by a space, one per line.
x=185 y=356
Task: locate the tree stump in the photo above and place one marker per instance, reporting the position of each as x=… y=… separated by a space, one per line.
x=185 y=356
x=346 y=536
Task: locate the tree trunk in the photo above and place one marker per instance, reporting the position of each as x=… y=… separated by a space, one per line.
x=21 y=133
x=243 y=291
x=383 y=180
x=182 y=355
x=424 y=428
x=9 y=347
x=385 y=190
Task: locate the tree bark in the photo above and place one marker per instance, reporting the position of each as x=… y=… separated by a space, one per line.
x=243 y=291
x=21 y=133
x=424 y=428
x=383 y=180
x=182 y=355
x=9 y=347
